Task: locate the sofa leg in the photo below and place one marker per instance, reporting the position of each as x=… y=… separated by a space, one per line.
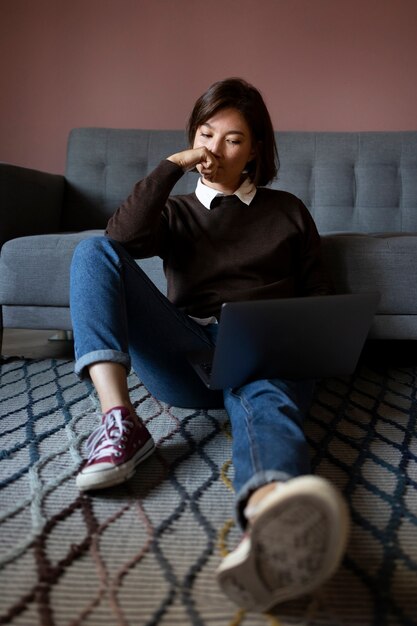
x=62 y=335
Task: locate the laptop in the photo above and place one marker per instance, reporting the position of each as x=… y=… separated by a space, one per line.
x=293 y=338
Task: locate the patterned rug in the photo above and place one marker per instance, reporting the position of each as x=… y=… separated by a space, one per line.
x=145 y=553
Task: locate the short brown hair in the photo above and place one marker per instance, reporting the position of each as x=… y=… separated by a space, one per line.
x=236 y=93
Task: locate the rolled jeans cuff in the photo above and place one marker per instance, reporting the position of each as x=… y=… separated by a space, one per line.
x=97 y=356
x=258 y=480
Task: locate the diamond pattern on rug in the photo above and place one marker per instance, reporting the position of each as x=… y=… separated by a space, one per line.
x=146 y=552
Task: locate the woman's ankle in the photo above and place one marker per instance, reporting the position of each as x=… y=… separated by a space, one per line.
x=126 y=405
x=256 y=497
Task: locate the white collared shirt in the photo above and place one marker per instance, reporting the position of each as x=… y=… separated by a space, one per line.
x=206 y=195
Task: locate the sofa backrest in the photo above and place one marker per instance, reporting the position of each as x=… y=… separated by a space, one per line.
x=355 y=182
x=103 y=164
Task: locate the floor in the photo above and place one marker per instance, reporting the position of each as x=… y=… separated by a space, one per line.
x=36 y=344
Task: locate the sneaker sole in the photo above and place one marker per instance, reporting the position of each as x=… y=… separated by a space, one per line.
x=296 y=543
x=115 y=475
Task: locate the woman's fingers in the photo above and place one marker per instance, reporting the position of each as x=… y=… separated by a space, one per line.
x=202 y=158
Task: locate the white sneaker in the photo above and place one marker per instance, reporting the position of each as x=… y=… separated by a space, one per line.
x=296 y=541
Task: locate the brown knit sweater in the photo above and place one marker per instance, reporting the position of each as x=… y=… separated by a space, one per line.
x=269 y=249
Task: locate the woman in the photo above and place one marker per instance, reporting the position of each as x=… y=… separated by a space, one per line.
x=233 y=239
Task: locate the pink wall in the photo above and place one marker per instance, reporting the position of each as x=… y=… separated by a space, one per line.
x=321 y=65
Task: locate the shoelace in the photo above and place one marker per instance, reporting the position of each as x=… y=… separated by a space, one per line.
x=108 y=436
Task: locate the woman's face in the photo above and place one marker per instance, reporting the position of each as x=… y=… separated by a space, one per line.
x=228 y=137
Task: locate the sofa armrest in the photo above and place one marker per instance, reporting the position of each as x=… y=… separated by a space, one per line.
x=30 y=202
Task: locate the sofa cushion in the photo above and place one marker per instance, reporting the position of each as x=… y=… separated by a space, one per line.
x=380 y=262
x=103 y=164
x=35 y=270
x=352 y=182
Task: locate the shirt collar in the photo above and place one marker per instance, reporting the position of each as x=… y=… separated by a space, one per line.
x=206 y=195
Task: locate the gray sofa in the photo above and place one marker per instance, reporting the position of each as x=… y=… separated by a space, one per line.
x=361 y=189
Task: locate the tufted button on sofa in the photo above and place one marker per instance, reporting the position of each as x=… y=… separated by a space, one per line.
x=361 y=189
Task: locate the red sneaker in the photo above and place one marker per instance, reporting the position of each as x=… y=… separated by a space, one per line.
x=114 y=449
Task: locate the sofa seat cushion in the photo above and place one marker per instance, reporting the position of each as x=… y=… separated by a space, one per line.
x=374 y=262
x=35 y=270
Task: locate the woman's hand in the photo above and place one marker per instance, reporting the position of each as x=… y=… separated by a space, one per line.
x=201 y=158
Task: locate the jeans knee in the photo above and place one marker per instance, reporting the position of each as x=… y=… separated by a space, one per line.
x=89 y=246
x=89 y=250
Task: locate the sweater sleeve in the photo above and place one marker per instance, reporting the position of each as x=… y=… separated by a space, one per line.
x=140 y=223
x=313 y=276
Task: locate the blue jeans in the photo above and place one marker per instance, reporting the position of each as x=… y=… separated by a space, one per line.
x=119 y=315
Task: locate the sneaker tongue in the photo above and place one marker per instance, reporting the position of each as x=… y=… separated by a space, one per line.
x=123 y=410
